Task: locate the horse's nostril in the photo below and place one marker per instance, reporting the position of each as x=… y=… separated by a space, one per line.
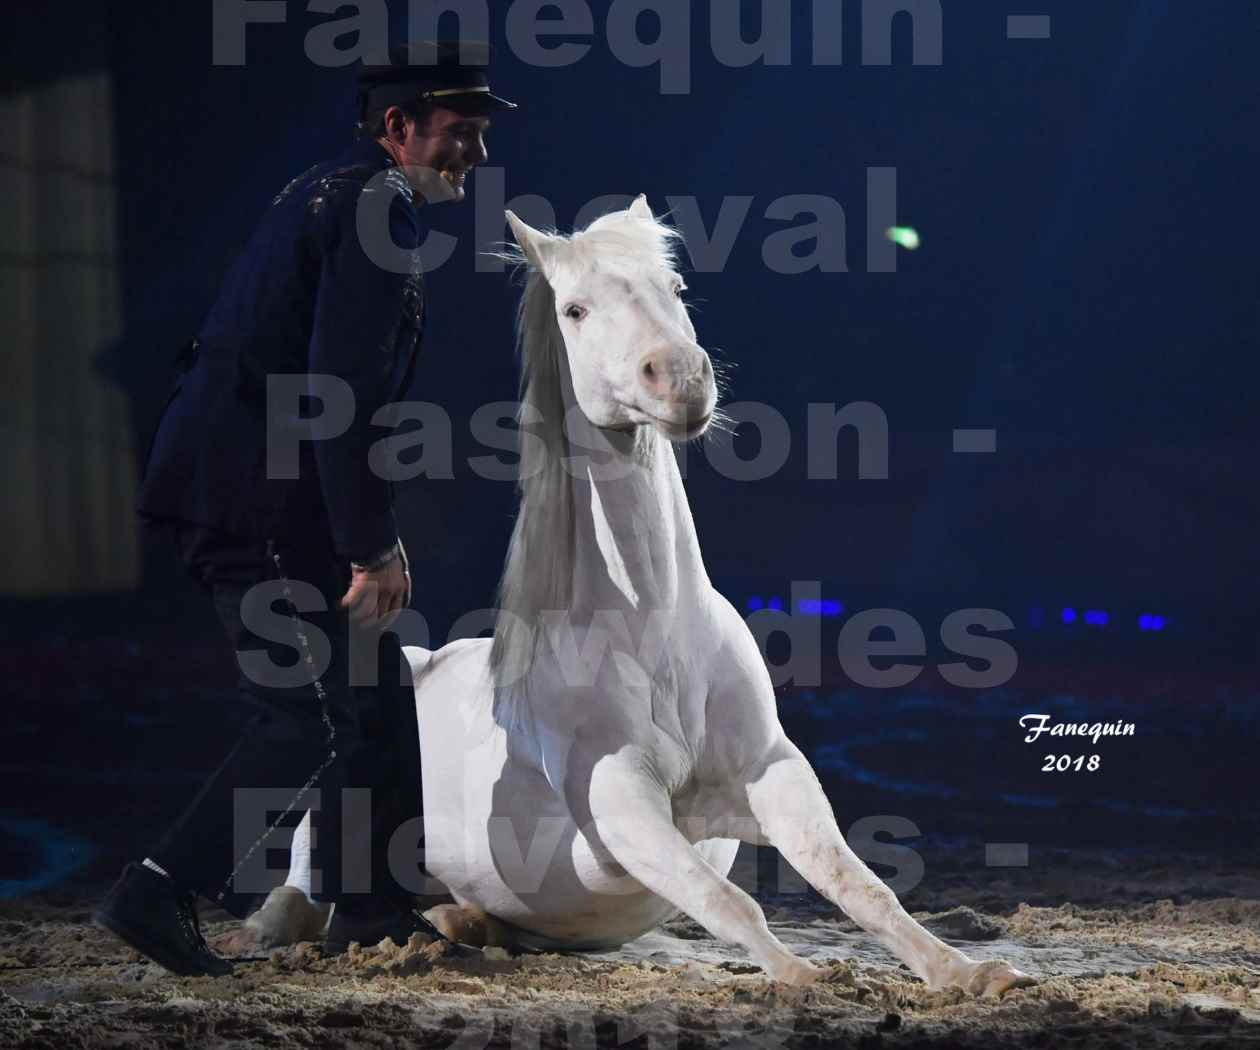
x=651 y=374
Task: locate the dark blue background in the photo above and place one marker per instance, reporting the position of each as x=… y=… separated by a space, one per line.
x=1086 y=286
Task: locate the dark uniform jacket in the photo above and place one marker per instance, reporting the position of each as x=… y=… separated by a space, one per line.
x=316 y=291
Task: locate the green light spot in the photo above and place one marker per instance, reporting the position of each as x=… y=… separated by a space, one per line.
x=906 y=236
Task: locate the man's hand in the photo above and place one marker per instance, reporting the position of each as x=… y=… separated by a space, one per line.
x=376 y=598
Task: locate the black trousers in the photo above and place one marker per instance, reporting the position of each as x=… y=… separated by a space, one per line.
x=334 y=733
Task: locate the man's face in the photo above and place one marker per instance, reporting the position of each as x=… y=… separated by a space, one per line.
x=444 y=150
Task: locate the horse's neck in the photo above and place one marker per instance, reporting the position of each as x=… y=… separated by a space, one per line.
x=635 y=543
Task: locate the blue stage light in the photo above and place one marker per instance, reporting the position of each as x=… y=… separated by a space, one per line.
x=755 y=604
x=776 y=604
x=1157 y=623
x=831 y=607
x=1144 y=622
x=1068 y=615
x=1096 y=617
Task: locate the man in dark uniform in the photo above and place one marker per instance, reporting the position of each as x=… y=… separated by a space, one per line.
x=316 y=293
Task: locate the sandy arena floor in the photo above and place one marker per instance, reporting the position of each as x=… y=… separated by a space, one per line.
x=1154 y=951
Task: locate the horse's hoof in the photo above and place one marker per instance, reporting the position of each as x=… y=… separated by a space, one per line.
x=470 y=926
x=286 y=917
x=992 y=979
x=460 y=924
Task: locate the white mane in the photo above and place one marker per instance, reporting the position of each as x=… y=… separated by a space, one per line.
x=538 y=574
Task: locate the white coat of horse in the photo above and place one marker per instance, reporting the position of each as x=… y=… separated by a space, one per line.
x=592 y=769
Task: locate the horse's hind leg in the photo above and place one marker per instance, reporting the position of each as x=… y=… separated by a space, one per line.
x=794 y=815
x=289 y=914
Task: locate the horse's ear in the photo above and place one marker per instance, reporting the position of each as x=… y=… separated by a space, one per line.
x=640 y=208
x=538 y=247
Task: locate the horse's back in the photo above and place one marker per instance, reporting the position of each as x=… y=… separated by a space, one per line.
x=418 y=658
x=453 y=709
x=463 y=651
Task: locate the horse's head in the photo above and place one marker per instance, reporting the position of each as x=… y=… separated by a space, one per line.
x=630 y=344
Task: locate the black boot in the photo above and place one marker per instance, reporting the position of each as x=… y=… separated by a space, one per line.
x=151 y=914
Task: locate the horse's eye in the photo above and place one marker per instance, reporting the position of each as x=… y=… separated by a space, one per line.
x=574 y=312
x=679 y=288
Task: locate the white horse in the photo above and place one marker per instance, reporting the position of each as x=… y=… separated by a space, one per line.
x=591 y=770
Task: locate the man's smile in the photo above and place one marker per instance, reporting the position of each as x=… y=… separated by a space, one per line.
x=456 y=176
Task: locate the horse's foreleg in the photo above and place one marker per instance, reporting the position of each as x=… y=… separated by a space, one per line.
x=794 y=816
x=633 y=820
